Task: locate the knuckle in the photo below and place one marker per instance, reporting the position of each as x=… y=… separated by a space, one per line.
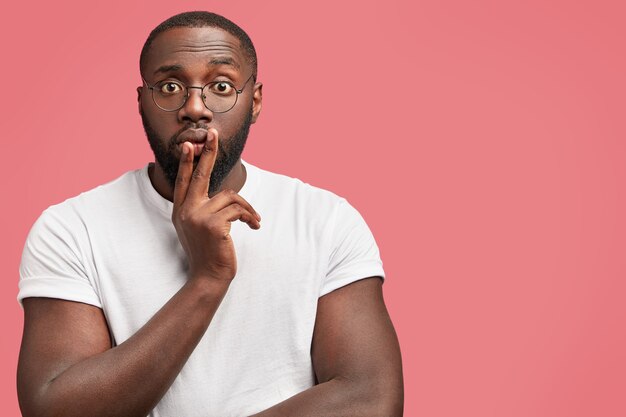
x=224 y=193
x=181 y=179
x=197 y=174
x=229 y=193
x=245 y=202
x=180 y=217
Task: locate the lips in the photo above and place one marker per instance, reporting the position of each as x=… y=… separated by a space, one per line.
x=193 y=136
x=197 y=137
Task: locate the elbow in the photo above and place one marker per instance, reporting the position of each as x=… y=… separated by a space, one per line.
x=386 y=400
x=376 y=397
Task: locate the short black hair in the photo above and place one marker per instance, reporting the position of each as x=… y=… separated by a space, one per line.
x=199 y=19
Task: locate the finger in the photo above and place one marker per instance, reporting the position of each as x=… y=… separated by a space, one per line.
x=201 y=177
x=227 y=197
x=236 y=212
x=185 y=168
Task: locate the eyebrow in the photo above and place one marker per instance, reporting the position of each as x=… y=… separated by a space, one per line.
x=224 y=61
x=168 y=68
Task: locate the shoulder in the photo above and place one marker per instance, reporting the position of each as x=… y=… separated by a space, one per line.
x=71 y=215
x=293 y=191
x=102 y=197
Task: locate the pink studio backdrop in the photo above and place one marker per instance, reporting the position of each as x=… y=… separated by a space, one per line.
x=482 y=141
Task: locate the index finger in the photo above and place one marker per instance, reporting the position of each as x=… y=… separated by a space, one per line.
x=185 y=168
x=201 y=177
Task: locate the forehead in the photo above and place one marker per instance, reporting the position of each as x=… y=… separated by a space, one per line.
x=191 y=48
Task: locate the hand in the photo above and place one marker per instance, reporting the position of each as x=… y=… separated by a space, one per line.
x=203 y=223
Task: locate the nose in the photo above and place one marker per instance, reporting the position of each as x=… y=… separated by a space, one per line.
x=194 y=109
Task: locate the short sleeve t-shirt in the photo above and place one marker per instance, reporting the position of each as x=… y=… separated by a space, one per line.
x=116 y=248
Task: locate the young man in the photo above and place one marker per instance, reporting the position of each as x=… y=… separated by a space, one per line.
x=202 y=285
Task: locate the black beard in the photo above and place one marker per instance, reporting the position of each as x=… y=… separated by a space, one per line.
x=229 y=151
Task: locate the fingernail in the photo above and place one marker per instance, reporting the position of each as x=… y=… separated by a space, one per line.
x=185 y=149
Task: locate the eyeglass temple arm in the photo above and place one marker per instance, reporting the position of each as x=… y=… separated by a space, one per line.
x=146 y=83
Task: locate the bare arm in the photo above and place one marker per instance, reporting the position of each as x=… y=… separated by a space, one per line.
x=67 y=366
x=356 y=357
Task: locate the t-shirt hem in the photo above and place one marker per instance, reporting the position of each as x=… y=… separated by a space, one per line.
x=371 y=270
x=57 y=287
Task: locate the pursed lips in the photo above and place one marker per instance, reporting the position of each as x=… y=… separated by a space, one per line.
x=197 y=137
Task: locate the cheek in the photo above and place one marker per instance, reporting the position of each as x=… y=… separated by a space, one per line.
x=164 y=124
x=230 y=122
x=224 y=124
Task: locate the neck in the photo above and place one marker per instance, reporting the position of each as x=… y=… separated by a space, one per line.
x=235 y=180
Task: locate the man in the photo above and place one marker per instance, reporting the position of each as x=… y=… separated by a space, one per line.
x=202 y=285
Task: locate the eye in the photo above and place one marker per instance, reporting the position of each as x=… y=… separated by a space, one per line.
x=170 y=87
x=222 y=88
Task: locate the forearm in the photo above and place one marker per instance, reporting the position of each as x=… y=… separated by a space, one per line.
x=130 y=379
x=341 y=398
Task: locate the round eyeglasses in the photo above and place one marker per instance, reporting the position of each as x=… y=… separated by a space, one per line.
x=218 y=96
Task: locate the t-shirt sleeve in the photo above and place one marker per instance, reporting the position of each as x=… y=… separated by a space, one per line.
x=354 y=254
x=53 y=261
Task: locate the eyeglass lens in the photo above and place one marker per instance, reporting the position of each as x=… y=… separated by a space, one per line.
x=219 y=96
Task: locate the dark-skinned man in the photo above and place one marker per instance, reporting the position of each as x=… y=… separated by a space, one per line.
x=202 y=285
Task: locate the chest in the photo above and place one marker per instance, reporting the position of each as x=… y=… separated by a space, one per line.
x=280 y=268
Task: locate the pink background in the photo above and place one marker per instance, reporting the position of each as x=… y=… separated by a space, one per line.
x=483 y=142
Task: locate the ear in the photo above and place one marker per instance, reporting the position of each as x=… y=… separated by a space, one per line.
x=257 y=101
x=139 y=92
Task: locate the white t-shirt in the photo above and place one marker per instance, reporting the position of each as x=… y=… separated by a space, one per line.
x=116 y=248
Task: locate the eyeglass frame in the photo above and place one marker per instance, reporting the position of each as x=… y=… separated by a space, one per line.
x=151 y=87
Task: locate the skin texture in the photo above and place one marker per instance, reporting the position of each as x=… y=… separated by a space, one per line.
x=165 y=152
x=177 y=47
x=66 y=354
